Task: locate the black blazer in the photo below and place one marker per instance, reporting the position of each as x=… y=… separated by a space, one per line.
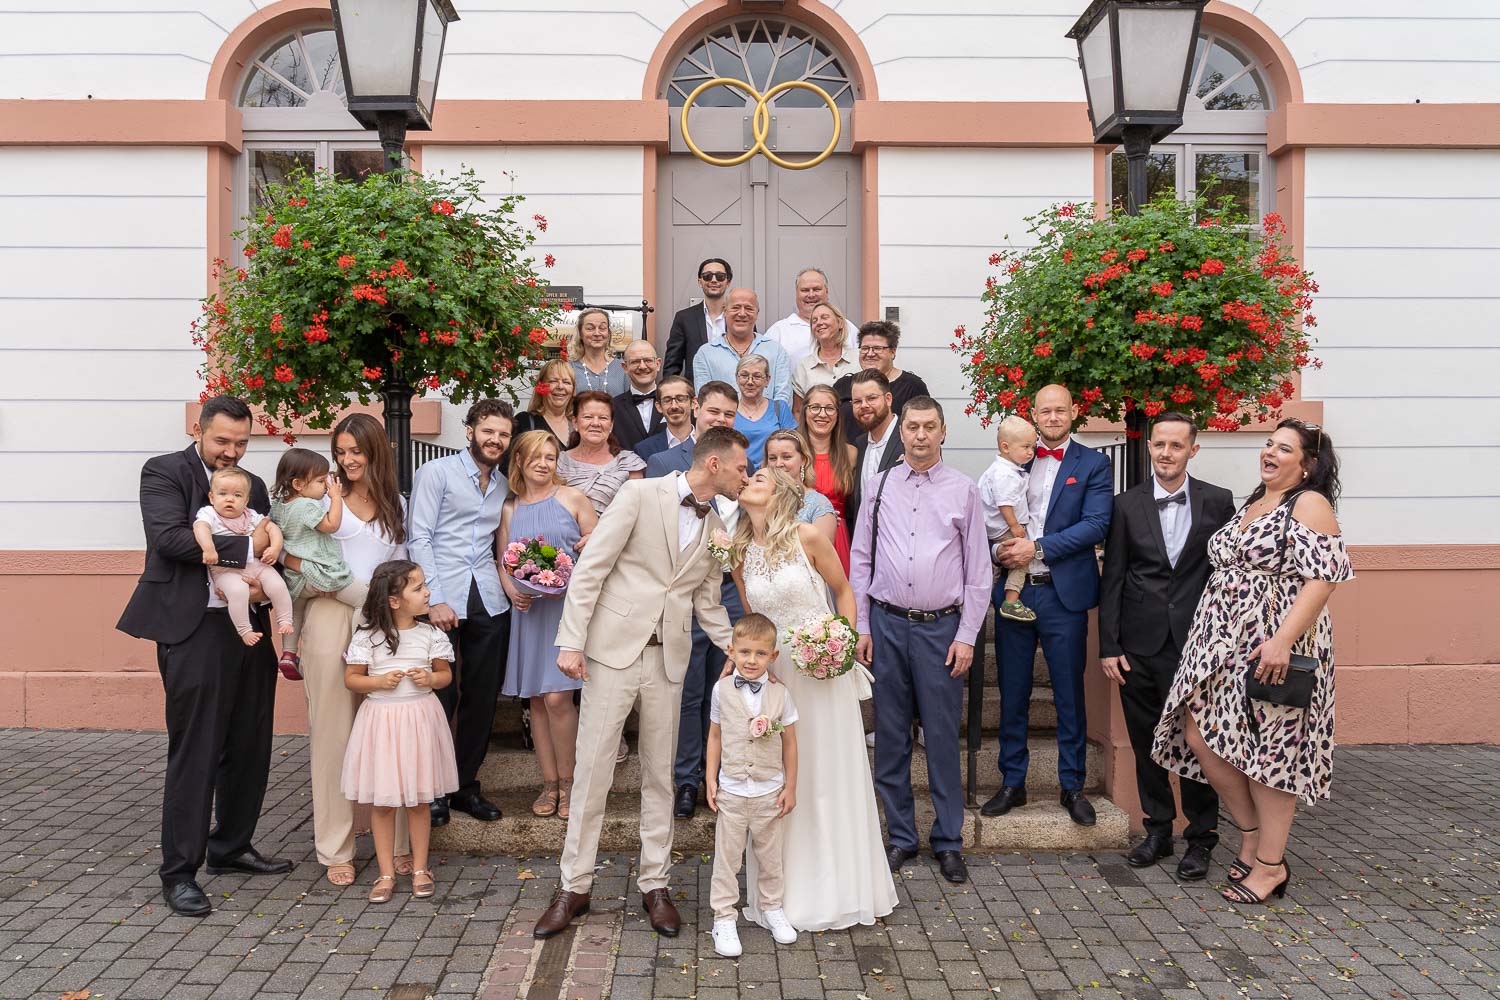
x=629 y=431
x=894 y=452
x=172 y=594
x=1143 y=599
x=689 y=332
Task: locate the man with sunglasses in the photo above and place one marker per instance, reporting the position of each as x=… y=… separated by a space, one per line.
x=699 y=324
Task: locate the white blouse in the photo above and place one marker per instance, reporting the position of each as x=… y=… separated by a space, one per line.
x=416 y=648
x=365 y=544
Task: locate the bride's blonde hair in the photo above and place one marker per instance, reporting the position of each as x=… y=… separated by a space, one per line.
x=781 y=520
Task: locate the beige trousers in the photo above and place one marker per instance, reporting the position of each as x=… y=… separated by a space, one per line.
x=608 y=696
x=757 y=820
x=326 y=631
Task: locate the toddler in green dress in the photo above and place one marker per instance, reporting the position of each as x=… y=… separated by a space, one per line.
x=317 y=567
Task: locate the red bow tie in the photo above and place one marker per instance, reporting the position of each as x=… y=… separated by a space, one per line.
x=1056 y=453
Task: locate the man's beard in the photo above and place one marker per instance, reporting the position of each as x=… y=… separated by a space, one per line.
x=476 y=451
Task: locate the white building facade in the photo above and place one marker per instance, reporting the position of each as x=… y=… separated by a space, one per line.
x=133 y=137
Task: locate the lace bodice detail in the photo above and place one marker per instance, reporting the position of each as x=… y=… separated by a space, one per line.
x=785 y=589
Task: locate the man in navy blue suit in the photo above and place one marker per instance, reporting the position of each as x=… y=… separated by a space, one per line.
x=674 y=398
x=1070 y=492
x=718 y=402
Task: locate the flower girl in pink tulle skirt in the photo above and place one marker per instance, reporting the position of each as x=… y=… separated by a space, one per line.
x=400 y=753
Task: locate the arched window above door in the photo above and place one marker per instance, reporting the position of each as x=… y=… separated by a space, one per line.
x=304 y=69
x=762 y=52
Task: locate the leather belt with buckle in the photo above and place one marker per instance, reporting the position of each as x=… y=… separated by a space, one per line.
x=913 y=615
x=1039 y=579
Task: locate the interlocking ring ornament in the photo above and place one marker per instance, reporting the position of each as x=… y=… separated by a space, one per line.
x=760 y=123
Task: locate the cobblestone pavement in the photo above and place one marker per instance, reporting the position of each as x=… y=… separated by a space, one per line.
x=1395 y=896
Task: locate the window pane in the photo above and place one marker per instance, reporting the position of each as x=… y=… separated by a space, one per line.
x=1234 y=174
x=1220 y=66
x=1161 y=176
x=356 y=164
x=288 y=63
x=323 y=49
x=263 y=90
x=274 y=166
x=1245 y=94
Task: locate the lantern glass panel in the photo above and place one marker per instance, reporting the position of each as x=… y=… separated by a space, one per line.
x=1098 y=69
x=1154 y=48
x=380 y=39
x=432 y=54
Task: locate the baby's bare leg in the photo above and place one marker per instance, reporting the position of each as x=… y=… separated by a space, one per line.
x=237 y=595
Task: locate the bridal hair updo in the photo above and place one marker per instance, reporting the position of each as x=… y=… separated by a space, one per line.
x=781 y=520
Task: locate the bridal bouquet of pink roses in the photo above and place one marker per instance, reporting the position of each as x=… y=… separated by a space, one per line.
x=822 y=647
x=536 y=567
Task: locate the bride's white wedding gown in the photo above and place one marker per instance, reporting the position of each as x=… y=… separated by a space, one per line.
x=835 y=867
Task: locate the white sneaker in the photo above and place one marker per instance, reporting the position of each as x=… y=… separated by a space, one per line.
x=781 y=928
x=727 y=938
x=869 y=739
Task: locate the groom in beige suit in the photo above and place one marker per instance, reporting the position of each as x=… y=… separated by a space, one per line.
x=626 y=632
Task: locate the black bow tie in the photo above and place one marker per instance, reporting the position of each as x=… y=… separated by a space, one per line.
x=701 y=509
x=754 y=686
x=642 y=397
x=1179 y=497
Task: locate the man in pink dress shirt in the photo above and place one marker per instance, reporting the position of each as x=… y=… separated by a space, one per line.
x=920 y=566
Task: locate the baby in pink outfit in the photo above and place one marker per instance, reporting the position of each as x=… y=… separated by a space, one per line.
x=229 y=513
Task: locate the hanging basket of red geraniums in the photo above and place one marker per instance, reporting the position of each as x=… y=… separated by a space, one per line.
x=1182 y=307
x=344 y=284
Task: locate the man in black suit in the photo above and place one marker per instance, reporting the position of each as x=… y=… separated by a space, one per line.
x=219 y=691
x=877 y=446
x=1155 y=568
x=636 y=414
x=698 y=324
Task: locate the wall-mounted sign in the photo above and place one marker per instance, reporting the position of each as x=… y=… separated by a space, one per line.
x=559 y=295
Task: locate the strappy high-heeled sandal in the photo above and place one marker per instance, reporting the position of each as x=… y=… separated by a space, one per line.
x=421 y=890
x=1236 y=892
x=1238 y=870
x=383 y=889
x=564 y=797
x=546 y=802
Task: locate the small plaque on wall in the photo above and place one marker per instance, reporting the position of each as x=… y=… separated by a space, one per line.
x=559 y=295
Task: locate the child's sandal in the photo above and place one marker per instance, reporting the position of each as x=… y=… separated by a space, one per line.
x=290 y=665
x=383 y=889
x=564 y=797
x=546 y=802
x=422 y=884
x=1017 y=612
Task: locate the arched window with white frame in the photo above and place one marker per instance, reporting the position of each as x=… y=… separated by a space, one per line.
x=1221 y=147
x=291 y=102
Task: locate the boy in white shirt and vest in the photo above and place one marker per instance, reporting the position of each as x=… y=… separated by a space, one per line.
x=751 y=774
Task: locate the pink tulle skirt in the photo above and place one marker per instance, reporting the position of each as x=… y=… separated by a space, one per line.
x=400 y=752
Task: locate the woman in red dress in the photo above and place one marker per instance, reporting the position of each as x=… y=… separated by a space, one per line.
x=833 y=458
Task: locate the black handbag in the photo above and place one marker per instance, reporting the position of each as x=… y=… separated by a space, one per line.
x=1296 y=688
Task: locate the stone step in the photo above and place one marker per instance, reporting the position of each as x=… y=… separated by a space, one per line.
x=1040 y=827
x=508 y=772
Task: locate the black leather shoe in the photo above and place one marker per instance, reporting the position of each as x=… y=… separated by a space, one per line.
x=250 y=862
x=1195 y=863
x=898 y=856
x=1004 y=801
x=186 y=899
x=475 y=805
x=686 y=802
x=1150 y=850
x=1080 y=810
x=951 y=864
x=439 y=809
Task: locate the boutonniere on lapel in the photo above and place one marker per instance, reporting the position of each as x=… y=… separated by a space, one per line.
x=1071 y=482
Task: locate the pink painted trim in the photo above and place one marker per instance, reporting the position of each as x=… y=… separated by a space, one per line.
x=1264 y=44
x=253 y=34
x=213 y=123
x=1409 y=126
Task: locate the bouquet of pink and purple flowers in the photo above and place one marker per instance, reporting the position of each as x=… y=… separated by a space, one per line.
x=823 y=646
x=536 y=567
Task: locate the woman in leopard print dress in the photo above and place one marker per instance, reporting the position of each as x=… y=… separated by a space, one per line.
x=1261 y=757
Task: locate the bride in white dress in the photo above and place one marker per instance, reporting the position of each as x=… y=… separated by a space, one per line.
x=835 y=869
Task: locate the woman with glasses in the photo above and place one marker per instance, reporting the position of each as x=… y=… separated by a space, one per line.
x=758 y=416
x=833 y=468
x=831 y=358
x=594 y=365
x=1275 y=566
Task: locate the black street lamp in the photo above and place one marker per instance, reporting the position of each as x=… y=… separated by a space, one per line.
x=391 y=51
x=1136 y=57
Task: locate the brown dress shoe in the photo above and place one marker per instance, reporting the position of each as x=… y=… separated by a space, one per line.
x=659 y=910
x=565 y=906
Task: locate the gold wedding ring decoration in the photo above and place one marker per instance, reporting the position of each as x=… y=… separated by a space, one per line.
x=760 y=123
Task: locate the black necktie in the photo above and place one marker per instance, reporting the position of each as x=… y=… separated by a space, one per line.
x=642 y=397
x=701 y=509
x=754 y=686
x=1179 y=497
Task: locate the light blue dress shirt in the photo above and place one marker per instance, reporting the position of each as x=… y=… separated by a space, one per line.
x=717 y=360
x=451 y=529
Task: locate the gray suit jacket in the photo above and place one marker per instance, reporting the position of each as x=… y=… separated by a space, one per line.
x=677 y=459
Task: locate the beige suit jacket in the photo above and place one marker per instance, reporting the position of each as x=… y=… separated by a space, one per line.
x=631 y=580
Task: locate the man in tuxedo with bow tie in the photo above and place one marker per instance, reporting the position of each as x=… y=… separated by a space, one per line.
x=636 y=414
x=1070 y=494
x=1155 y=568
